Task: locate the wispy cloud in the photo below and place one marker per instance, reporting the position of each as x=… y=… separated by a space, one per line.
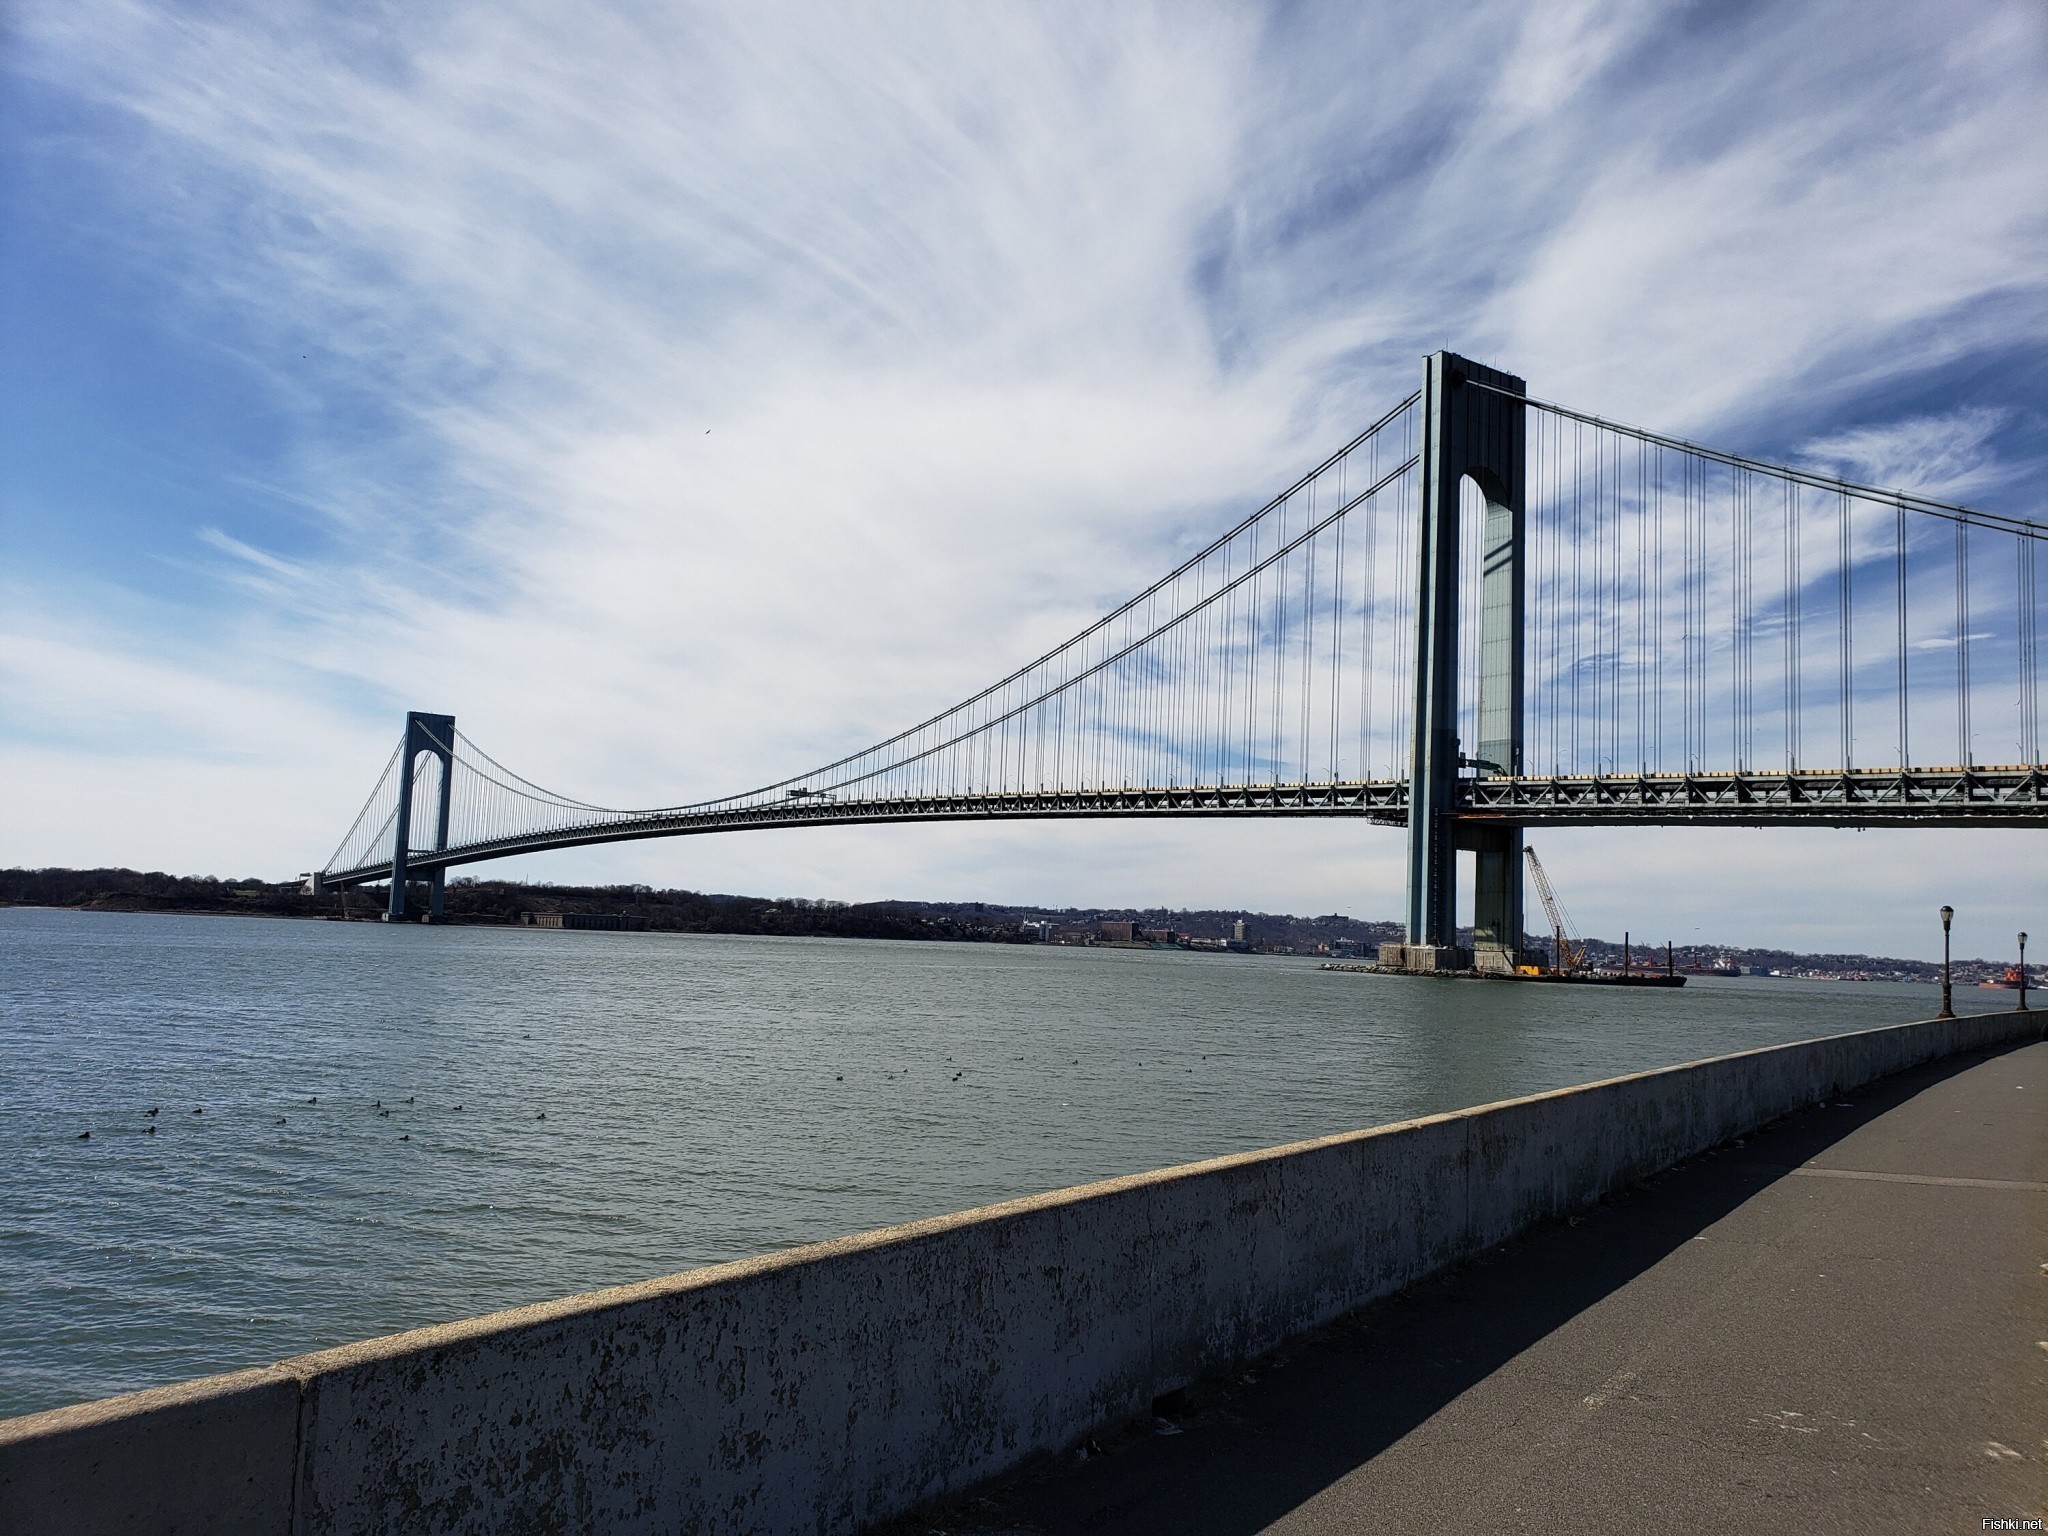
x=1952 y=455
x=688 y=393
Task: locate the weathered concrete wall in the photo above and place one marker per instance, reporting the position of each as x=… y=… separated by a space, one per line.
x=832 y=1386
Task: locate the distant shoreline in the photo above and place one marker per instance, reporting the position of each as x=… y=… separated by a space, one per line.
x=504 y=903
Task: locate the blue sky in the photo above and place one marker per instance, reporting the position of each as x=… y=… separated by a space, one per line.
x=680 y=395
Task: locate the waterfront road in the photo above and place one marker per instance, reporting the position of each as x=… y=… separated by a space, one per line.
x=1840 y=1324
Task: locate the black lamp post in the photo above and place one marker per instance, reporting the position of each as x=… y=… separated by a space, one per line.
x=1947 y=916
x=2023 y=973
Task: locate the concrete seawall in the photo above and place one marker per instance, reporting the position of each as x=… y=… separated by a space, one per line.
x=835 y=1385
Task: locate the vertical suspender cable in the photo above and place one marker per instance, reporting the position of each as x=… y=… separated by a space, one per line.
x=1578 y=601
x=1963 y=741
x=1639 y=526
x=1308 y=627
x=2029 y=678
x=1847 y=577
x=1618 y=512
x=1596 y=548
x=1337 y=630
x=1368 y=622
x=1793 y=620
x=1657 y=576
x=1899 y=568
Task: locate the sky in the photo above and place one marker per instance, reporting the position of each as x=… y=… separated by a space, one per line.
x=682 y=395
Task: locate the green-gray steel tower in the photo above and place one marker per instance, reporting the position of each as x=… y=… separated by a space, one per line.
x=1476 y=433
x=433 y=734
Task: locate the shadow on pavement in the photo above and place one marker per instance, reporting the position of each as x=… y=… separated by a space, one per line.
x=1254 y=1448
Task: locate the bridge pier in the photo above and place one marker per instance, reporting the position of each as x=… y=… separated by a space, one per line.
x=433 y=734
x=1496 y=895
x=1478 y=435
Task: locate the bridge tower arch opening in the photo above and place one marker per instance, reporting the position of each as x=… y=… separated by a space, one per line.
x=1477 y=435
x=430 y=736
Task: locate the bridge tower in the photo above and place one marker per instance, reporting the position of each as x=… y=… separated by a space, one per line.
x=1477 y=434
x=433 y=734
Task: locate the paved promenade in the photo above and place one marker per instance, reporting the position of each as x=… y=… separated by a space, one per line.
x=1841 y=1325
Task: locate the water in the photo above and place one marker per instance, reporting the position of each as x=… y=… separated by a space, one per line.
x=706 y=1098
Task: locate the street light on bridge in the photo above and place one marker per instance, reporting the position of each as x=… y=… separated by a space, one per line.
x=1947 y=916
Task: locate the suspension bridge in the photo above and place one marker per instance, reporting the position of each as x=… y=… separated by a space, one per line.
x=1485 y=612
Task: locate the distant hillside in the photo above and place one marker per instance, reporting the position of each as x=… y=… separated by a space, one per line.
x=486 y=901
x=511 y=902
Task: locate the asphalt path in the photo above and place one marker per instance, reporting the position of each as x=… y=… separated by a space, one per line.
x=1839 y=1324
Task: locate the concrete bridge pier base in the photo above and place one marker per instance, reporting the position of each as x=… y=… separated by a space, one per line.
x=1425 y=958
x=1496 y=896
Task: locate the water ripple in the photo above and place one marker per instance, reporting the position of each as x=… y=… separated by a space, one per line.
x=705 y=1098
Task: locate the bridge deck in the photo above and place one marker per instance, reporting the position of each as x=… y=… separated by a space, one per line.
x=2006 y=796
x=1832 y=1328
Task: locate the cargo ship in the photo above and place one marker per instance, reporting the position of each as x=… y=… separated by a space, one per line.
x=2011 y=981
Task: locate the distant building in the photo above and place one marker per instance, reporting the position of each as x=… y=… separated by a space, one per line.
x=1237 y=930
x=1117 y=933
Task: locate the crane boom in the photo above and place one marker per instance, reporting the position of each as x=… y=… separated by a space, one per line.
x=1563 y=956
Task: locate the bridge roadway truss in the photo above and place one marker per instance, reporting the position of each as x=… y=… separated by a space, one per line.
x=1484 y=613
x=1860 y=797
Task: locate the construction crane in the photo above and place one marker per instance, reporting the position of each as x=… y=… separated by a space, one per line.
x=1565 y=958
